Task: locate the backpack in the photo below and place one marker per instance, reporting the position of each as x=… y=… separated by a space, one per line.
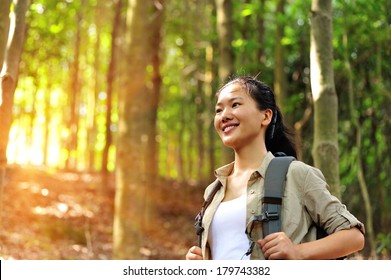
x=270 y=216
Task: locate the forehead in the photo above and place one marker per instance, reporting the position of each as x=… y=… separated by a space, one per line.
x=232 y=91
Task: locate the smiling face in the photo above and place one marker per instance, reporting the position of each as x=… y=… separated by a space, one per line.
x=238 y=121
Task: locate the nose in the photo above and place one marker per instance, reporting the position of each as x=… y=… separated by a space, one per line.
x=226 y=115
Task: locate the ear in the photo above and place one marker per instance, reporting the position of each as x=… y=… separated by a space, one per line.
x=267 y=117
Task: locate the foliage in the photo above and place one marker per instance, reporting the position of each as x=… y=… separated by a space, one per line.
x=370 y=59
x=384 y=244
x=41 y=128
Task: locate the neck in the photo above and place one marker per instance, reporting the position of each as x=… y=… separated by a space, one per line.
x=249 y=158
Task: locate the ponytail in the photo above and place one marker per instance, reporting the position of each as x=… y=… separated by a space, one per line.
x=278 y=137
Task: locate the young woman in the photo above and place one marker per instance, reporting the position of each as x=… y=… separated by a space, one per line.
x=248 y=121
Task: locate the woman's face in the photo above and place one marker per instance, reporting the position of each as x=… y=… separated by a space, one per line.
x=238 y=121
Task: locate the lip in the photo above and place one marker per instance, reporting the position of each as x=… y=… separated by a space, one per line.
x=229 y=127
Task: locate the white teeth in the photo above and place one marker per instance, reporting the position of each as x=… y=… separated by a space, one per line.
x=228 y=128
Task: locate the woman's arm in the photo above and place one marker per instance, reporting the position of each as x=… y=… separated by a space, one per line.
x=339 y=244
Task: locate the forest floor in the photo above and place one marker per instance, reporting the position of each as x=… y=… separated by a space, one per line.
x=47 y=215
x=57 y=215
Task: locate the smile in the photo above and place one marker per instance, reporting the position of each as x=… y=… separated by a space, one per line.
x=229 y=127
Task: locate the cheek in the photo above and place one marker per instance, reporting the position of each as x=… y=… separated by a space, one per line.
x=216 y=122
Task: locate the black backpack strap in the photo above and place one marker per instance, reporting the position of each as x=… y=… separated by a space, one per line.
x=273 y=193
x=270 y=216
x=198 y=219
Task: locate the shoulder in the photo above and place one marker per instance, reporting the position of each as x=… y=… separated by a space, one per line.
x=298 y=167
x=305 y=174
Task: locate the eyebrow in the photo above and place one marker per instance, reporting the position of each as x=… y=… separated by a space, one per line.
x=230 y=100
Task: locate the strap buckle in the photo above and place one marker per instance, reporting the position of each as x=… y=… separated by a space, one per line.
x=265 y=216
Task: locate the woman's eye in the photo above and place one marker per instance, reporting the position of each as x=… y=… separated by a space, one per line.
x=218 y=110
x=235 y=105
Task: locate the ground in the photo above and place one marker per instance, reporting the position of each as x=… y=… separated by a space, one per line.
x=66 y=215
x=52 y=215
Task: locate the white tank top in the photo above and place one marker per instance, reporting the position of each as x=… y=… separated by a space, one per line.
x=227 y=238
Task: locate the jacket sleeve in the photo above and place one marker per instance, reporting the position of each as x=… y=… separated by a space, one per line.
x=326 y=210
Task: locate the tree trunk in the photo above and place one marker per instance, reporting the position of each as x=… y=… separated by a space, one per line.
x=131 y=162
x=299 y=127
x=280 y=79
x=226 y=54
x=4 y=28
x=325 y=150
x=47 y=112
x=31 y=116
x=200 y=130
x=93 y=95
x=225 y=35
x=210 y=100
x=152 y=99
x=110 y=83
x=73 y=125
x=181 y=148
x=8 y=81
x=261 y=57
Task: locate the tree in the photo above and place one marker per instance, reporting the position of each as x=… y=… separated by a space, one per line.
x=93 y=95
x=225 y=35
x=4 y=27
x=325 y=150
x=226 y=54
x=110 y=81
x=131 y=161
x=9 y=78
x=153 y=97
x=280 y=80
x=75 y=96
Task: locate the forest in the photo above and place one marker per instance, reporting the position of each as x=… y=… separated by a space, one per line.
x=106 y=115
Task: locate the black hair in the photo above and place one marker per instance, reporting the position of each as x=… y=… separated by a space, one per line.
x=278 y=137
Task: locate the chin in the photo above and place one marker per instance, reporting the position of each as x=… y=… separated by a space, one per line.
x=229 y=144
